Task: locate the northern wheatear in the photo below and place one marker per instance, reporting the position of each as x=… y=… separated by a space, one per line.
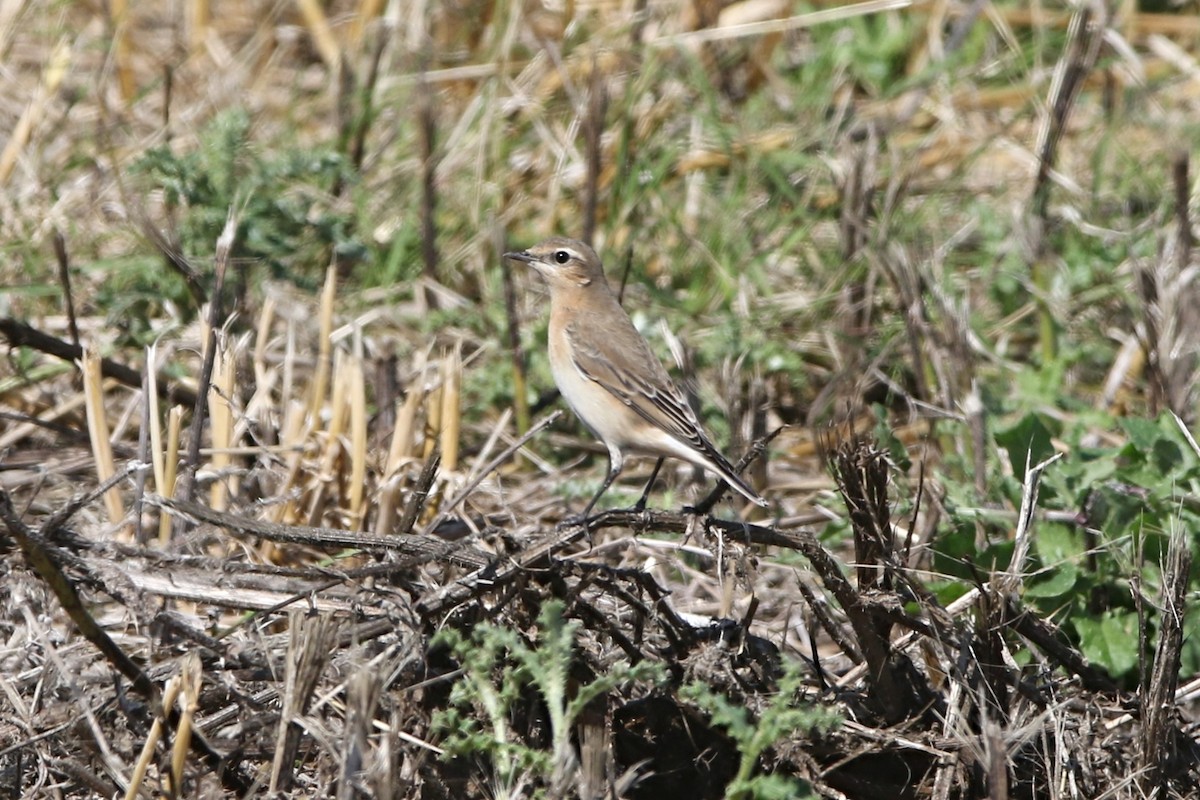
x=609 y=377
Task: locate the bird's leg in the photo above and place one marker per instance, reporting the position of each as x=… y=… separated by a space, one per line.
x=614 y=469
x=640 y=505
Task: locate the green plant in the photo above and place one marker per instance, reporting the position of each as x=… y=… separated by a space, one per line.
x=287 y=219
x=498 y=666
x=783 y=717
x=1086 y=572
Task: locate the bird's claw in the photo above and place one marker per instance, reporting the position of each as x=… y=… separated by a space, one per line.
x=574 y=520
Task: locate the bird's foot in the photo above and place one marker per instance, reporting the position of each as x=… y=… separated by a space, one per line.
x=644 y=515
x=577 y=521
x=574 y=520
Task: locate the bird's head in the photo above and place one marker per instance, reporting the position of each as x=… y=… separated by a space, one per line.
x=564 y=263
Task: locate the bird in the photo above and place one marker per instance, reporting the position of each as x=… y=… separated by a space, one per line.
x=609 y=377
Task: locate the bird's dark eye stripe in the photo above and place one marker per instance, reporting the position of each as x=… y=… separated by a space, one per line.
x=562 y=256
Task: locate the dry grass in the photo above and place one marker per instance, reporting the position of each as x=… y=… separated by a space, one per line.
x=260 y=520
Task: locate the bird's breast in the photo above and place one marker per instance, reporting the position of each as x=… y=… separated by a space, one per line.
x=600 y=410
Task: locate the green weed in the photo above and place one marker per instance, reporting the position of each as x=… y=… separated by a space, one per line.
x=499 y=668
x=288 y=221
x=781 y=719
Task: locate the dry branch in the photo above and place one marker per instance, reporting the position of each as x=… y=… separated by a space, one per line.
x=20 y=334
x=191 y=464
x=1158 y=744
x=421 y=549
x=310 y=643
x=861 y=472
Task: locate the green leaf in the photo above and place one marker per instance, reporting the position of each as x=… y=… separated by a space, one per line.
x=1029 y=438
x=1142 y=433
x=947 y=592
x=767 y=787
x=1167 y=457
x=1039 y=387
x=1160 y=446
x=1054 y=582
x=1111 y=641
x=1058 y=543
x=1118 y=508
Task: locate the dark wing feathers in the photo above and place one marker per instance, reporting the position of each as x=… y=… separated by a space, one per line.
x=641 y=382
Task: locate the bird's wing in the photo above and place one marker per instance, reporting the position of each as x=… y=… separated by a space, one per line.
x=640 y=381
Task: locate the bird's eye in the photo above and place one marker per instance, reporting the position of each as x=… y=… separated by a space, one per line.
x=562 y=256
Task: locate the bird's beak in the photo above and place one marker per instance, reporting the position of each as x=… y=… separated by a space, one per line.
x=520 y=256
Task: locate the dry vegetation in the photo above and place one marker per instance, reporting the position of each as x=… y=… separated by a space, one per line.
x=281 y=479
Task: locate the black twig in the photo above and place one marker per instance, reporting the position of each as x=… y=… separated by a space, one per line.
x=593 y=130
x=756 y=450
x=420 y=494
x=64 y=278
x=1183 y=223
x=19 y=334
x=426 y=144
x=200 y=410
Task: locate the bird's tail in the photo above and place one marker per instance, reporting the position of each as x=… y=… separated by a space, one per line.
x=722 y=467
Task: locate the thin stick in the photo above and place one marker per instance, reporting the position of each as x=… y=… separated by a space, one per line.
x=19 y=334
x=169 y=246
x=1183 y=253
x=404 y=435
x=64 y=278
x=593 y=130
x=325 y=345
x=153 y=421
x=625 y=274
x=321 y=31
x=190 y=676
x=170 y=692
x=426 y=133
x=488 y=469
x=170 y=468
x=420 y=494
x=366 y=94
x=516 y=352
x=52 y=77
x=198 y=16
x=141 y=534
x=1083 y=47
x=367 y=11
x=451 y=416
x=221 y=426
x=358 y=440
x=119 y=18
x=200 y=411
